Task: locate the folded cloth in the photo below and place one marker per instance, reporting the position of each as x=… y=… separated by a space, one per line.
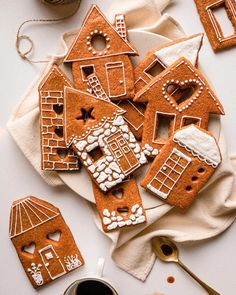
x=213 y=211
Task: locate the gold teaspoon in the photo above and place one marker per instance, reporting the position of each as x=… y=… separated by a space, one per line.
x=167 y=251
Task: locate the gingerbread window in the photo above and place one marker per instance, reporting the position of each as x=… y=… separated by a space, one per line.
x=164 y=126
x=86 y=71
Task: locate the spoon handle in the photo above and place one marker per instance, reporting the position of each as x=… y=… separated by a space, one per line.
x=209 y=290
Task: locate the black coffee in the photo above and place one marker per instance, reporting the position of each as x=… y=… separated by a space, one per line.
x=92 y=287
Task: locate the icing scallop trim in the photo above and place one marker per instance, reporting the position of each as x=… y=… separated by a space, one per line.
x=200 y=144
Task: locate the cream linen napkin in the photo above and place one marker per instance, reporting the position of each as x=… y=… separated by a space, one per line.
x=213 y=211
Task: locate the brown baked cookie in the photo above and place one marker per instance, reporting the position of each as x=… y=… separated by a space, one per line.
x=104 y=50
x=167 y=112
x=97 y=132
x=183 y=167
x=121 y=206
x=213 y=28
x=156 y=60
x=54 y=154
x=43 y=241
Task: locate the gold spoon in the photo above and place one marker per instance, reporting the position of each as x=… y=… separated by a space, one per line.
x=167 y=251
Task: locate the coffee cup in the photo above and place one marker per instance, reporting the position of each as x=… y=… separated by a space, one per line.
x=94 y=284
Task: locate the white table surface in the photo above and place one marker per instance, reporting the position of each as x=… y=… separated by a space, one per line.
x=213 y=260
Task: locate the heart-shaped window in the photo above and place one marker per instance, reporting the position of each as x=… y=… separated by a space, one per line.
x=118 y=193
x=55 y=236
x=181 y=94
x=29 y=248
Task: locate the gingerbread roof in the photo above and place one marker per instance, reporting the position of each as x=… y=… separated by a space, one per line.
x=187 y=47
x=181 y=74
x=29 y=213
x=94 y=24
x=84 y=112
x=54 y=80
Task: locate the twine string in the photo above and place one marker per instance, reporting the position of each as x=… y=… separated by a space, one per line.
x=24 y=54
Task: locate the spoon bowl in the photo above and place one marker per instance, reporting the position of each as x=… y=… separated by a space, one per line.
x=167 y=251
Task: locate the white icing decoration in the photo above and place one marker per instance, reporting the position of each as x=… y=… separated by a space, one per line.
x=113 y=129
x=91 y=138
x=92 y=146
x=103 y=187
x=106 y=220
x=124 y=128
x=35 y=271
x=108 y=171
x=102 y=177
x=95 y=175
x=106 y=213
x=134 y=208
x=188 y=48
x=119 y=121
x=142 y=159
x=107 y=132
x=84 y=156
x=98 y=132
x=72 y=262
x=200 y=144
x=155 y=152
x=101 y=167
x=109 y=158
x=81 y=145
x=92 y=168
x=112 y=226
x=131 y=137
x=137 y=148
x=114 y=167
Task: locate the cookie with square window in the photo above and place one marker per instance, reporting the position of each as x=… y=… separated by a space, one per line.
x=43 y=241
x=121 y=206
x=54 y=154
x=183 y=167
x=103 y=49
x=154 y=62
x=98 y=134
x=213 y=22
x=167 y=112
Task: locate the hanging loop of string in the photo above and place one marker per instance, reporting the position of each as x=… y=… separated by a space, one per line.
x=19 y=37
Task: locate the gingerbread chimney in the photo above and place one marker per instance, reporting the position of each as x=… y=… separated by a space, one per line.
x=120 y=26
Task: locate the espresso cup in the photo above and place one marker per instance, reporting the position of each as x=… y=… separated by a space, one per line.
x=94 y=284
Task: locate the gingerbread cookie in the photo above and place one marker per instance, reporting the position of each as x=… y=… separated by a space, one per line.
x=213 y=28
x=166 y=112
x=43 y=241
x=104 y=50
x=97 y=132
x=121 y=206
x=152 y=65
x=54 y=154
x=183 y=167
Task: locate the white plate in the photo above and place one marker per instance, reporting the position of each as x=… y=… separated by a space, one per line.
x=80 y=181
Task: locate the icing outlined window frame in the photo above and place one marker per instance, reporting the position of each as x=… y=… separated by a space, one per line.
x=112 y=66
x=162 y=140
x=167 y=177
x=199 y=120
x=83 y=75
x=215 y=25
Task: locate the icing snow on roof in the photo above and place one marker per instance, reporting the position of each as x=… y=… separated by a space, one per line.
x=200 y=144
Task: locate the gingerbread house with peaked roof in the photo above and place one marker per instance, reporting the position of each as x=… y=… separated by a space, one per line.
x=104 y=50
x=54 y=154
x=155 y=61
x=43 y=241
x=97 y=132
x=167 y=113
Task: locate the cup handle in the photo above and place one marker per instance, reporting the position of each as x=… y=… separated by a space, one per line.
x=100 y=266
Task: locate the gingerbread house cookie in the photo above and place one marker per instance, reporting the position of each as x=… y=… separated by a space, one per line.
x=103 y=50
x=153 y=64
x=166 y=112
x=43 y=241
x=54 y=154
x=97 y=132
x=121 y=206
x=207 y=10
x=183 y=167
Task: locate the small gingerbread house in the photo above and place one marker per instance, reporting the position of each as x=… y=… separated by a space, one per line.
x=43 y=241
x=183 y=167
x=152 y=65
x=54 y=154
x=166 y=112
x=104 y=50
x=121 y=206
x=97 y=132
